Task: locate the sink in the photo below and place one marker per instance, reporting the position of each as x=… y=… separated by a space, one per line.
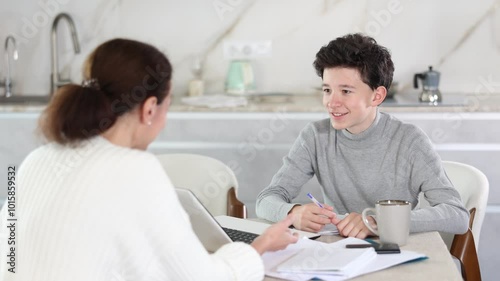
x=25 y=100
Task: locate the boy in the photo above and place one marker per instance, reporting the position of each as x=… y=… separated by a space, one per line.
x=360 y=155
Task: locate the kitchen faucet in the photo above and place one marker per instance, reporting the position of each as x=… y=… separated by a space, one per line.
x=8 y=79
x=55 y=79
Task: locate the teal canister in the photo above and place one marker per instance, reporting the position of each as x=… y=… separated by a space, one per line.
x=240 y=78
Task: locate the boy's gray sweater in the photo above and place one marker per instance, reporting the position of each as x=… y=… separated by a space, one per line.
x=389 y=160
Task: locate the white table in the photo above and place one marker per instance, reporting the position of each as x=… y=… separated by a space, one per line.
x=439 y=266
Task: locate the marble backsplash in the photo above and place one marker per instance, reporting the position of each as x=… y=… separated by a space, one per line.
x=461 y=39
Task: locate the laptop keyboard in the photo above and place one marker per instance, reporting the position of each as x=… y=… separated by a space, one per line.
x=240 y=236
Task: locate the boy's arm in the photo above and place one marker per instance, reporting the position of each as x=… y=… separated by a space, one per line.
x=446 y=212
x=274 y=202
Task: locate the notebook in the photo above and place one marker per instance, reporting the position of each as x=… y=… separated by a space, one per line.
x=211 y=231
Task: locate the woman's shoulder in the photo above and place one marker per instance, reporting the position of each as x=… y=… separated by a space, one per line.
x=126 y=158
x=142 y=160
x=129 y=167
x=40 y=153
x=97 y=152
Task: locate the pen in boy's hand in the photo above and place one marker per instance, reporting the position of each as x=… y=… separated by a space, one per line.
x=314 y=200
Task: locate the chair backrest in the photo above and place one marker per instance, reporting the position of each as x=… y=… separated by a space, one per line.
x=212 y=181
x=464 y=249
x=473 y=187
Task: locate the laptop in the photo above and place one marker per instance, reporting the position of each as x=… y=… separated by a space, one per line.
x=215 y=232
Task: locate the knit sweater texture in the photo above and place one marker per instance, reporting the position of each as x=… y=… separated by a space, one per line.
x=103 y=212
x=389 y=160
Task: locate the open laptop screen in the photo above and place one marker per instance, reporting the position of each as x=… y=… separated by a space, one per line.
x=211 y=231
x=208 y=230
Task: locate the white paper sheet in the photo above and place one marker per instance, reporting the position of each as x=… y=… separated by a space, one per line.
x=329 y=229
x=274 y=259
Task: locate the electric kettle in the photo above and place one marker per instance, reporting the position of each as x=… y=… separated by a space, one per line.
x=240 y=78
x=430 y=84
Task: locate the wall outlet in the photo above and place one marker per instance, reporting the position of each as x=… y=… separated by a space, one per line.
x=247 y=49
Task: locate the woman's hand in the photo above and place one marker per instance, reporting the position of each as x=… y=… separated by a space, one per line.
x=276 y=237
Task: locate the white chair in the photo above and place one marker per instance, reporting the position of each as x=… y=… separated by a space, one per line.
x=212 y=181
x=473 y=187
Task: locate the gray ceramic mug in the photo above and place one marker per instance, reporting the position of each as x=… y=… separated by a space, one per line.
x=393 y=220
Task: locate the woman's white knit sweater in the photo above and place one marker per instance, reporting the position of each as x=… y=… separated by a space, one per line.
x=103 y=212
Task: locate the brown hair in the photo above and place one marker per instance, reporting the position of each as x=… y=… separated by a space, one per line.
x=359 y=52
x=119 y=76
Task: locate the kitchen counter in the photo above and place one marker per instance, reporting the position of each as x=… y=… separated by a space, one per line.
x=312 y=104
x=253 y=140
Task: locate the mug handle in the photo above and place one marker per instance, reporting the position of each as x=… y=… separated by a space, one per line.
x=365 y=219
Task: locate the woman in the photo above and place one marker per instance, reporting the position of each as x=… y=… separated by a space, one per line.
x=93 y=205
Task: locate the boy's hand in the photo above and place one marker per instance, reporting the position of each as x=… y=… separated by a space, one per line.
x=352 y=226
x=312 y=218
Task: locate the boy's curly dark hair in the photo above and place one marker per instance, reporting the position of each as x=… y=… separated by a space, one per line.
x=360 y=52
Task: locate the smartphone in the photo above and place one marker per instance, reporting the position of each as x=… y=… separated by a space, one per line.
x=384 y=248
x=387 y=248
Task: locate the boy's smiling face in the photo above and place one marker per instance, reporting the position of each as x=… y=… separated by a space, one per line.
x=351 y=103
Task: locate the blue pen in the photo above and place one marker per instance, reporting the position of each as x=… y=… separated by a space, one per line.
x=314 y=200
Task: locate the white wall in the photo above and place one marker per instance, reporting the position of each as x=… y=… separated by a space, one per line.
x=461 y=39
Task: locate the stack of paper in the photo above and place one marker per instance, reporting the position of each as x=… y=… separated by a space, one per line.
x=328 y=260
x=309 y=259
x=329 y=229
